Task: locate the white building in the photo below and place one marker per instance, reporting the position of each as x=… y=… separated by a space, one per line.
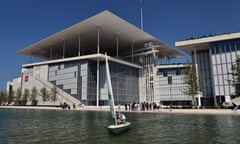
x=74 y=62
x=169 y=85
x=214 y=57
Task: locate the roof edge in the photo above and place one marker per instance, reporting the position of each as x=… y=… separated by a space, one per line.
x=208 y=39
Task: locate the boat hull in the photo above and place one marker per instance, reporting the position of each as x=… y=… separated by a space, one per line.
x=116 y=129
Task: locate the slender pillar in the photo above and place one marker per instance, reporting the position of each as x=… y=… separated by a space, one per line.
x=50 y=53
x=98 y=49
x=196 y=66
x=79 y=45
x=97 y=96
x=132 y=51
x=64 y=45
x=117 y=45
x=98 y=29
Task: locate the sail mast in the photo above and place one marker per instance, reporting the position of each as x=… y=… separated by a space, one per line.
x=110 y=91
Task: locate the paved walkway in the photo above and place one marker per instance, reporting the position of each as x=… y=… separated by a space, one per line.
x=170 y=111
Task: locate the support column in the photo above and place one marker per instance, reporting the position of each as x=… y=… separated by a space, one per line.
x=196 y=66
x=79 y=45
x=132 y=51
x=64 y=45
x=117 y=45
x=97 y=97
x=98 y=31
x=98 y=49
x=50 y=53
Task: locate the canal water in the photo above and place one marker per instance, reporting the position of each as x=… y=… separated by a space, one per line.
x=88 y=127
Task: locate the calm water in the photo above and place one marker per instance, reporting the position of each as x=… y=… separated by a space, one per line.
x=73 y=127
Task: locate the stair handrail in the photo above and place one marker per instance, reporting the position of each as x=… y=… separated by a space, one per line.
x=59 y=91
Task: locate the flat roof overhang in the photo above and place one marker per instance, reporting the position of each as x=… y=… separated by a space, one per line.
x=172 y=66
x=204 y=43
x=109 y=26
x=93 y=57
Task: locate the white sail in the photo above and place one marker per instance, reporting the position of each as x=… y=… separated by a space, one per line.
x=110 y=91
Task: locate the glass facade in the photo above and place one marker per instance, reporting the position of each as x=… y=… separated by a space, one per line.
x=91 y=83
x=223 y=56
x=125 y=83
x=79 y=79
x=204 y=70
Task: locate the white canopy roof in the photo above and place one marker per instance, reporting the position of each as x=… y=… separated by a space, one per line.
x=110 y=27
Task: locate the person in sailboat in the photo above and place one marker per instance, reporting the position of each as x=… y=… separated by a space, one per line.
x=121 y=118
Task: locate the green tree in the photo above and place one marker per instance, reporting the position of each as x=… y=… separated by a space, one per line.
x=193 y=83
x=54 y=93
x=33 y=96
x=26 y=95
x=2 y=97
x=236 y=76
x=18 y=96
x=11 y=96
x=44 y=93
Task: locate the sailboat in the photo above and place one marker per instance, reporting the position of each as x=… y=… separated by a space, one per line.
x=114 y=128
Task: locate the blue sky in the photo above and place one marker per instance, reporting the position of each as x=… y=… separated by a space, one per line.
x=24 y=22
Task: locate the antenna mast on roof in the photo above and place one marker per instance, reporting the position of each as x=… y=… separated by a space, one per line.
x=141 y=15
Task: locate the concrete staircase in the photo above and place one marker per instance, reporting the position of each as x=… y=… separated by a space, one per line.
x=236 y=100
x=60 y=92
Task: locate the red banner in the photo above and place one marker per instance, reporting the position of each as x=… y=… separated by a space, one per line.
x=26 y=78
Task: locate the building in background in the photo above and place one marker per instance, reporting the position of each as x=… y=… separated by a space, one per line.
x=73 y=62
x=170 y=85
x=214 y=57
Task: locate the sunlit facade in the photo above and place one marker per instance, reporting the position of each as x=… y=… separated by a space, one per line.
x=214 y=57
x=74 y=62
x=170 y=85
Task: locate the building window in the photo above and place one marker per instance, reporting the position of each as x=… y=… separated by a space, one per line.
x=75 y=74
x=165 y=73
x=238 y=46
x=227 y=46
x=170 y=80
x=178 y=71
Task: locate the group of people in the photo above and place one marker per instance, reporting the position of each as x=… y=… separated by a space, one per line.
x=65 y=106
x=144 y=106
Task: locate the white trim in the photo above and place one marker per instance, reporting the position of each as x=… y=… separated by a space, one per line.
x=85 y=57
x=172 y=66
x=208 y=39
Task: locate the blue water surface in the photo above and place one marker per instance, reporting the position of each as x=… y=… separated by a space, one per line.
x=19 y=126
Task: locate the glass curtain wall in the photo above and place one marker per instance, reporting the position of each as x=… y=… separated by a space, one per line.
x=204 y=70
x=79 y=79
x=125 y=83
x=223 y=56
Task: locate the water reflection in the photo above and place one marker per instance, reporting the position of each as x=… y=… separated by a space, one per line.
x=60 y=126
